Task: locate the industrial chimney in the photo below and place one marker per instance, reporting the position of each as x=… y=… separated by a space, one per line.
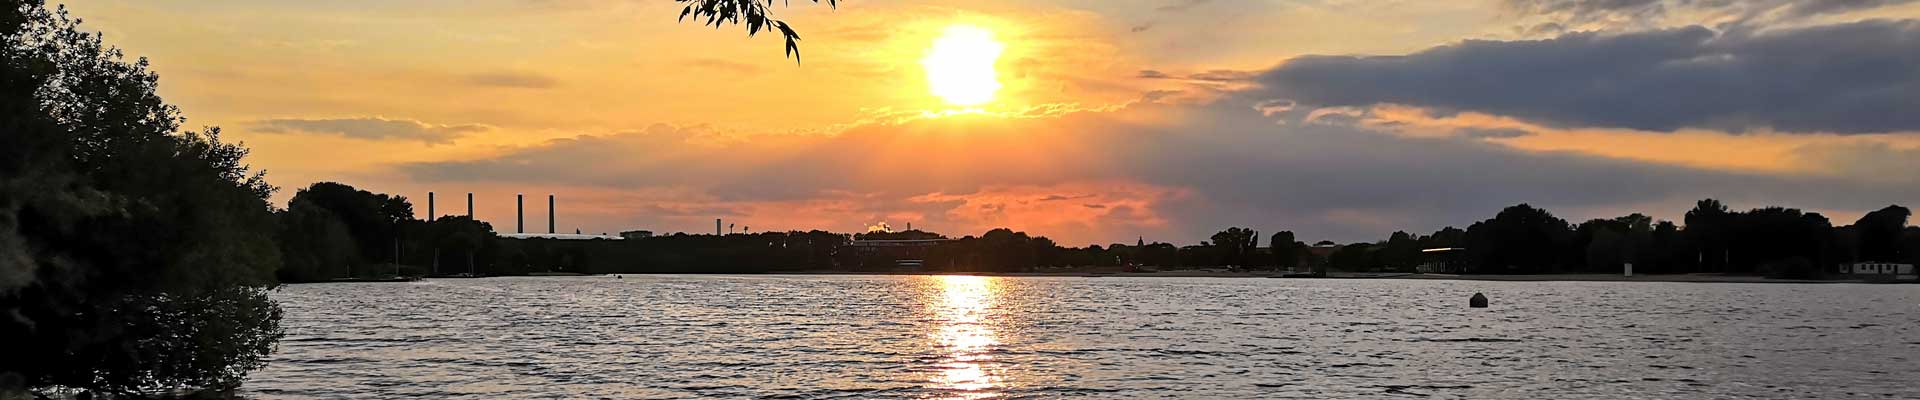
x=429 y=206
x=716 y=227
x=550 y=214
x=469 y=205
x=519 y=213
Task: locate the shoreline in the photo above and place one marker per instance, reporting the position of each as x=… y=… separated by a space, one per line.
x=1203 y=273
x=1679 y=278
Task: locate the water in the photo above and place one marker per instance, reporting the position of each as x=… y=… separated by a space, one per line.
x=1048 y=337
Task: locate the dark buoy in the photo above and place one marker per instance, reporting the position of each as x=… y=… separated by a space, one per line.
x=1478 y=301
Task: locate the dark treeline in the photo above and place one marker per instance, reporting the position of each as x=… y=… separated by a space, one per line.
x=331 y=231
x=1773 y=241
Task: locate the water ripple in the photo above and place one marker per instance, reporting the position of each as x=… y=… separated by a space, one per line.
x=847 y=337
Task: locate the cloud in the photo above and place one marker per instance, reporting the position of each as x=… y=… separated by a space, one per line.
x=371 y=128
x=1856 y=77
x=1167 y=171
x=1562 y=15
x=520 y=80
x=1181 y=5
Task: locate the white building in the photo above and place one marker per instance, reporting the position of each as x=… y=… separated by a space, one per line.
x=1872 y=269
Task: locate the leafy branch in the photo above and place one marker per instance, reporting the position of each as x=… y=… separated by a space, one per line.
x=755 y=14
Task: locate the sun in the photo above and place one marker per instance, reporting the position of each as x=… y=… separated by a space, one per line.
x=960 y=65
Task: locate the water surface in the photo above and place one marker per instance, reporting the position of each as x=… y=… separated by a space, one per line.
x=1047 y=337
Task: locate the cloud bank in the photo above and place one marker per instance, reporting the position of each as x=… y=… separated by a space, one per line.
x=371 y=128
x=1856 y=77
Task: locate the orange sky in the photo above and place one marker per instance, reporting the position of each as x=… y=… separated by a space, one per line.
x=1114 y=120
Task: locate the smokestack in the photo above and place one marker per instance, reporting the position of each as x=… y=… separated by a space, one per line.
x=519 y=213
x=430 y=207
x=716 y=227
x=550 y=214
x=469 y=205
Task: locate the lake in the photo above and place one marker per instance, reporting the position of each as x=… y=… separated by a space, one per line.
x=969 y=337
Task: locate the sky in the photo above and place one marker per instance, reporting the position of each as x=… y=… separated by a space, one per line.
x=1112 y=120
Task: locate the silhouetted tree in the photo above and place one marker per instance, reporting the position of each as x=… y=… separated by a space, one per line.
x=1286 y=250
x=1401 y=252
x=1910 y=245
x=1234 y=245
x=1667 y=251
x=314 y=245
x=755 y=14
x=1709 y=227
x=134 y=257
x=1879 y=234
x=1520 y=239
x=1358 y=257
x=463 y=245
x=374 y=221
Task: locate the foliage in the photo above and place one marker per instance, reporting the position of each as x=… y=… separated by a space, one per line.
x=1287 y=251
x=1880 y=233
x=755 y=14
x=133 y=257
x=1520 y=239
x=915 y=234
x=1234 y=245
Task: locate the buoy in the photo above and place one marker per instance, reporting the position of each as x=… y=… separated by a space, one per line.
x=1478 y=301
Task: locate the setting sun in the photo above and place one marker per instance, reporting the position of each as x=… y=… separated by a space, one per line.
x=960 y=65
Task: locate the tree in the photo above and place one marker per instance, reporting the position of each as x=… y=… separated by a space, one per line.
x=1232 y=246
x=463 y=245
x=1879 y=233
x=1286 y=250
x=1708 y=228
x=133 y=256
x=1400 y=253
x=1520 y=239
x=755 y=14
x=314 y=245
x=1910 y=244
x=373 y=220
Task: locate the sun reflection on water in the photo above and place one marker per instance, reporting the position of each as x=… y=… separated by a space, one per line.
x=965 y=337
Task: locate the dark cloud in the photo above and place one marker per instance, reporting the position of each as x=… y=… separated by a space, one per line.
x=1181 y=5
x=1058 y=197
x=1222 y=75
x=372 y=128
x=521 y=80
x=1615 y=13
x=1846 y=78
x=1218 y=75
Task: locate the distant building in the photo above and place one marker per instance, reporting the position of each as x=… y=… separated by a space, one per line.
x=640 y=234
x=1878 y=270
x=1444 y=260
x=867 y=255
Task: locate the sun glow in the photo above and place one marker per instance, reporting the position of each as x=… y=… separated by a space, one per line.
x=960 y=65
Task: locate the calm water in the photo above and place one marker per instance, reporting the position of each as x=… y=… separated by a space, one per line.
x=980 y=337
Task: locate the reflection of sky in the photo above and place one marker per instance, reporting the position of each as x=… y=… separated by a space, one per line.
x=965 y=337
